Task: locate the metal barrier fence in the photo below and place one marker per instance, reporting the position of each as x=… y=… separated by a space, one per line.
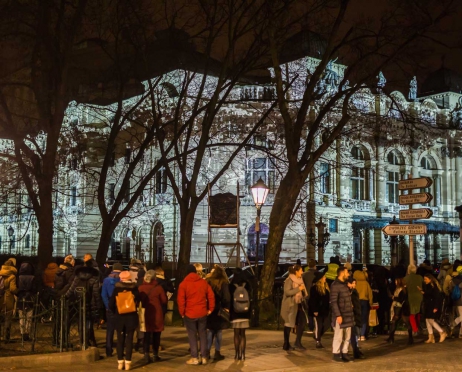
x=44 y=324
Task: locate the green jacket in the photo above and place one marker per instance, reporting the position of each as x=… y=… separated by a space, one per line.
x=412 y=281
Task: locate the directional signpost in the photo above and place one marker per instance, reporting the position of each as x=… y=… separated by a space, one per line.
x=415 y=214
x=396 y=229
x=415 y=183
x=399 y=229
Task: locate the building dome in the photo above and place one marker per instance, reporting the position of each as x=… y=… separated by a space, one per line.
x=441 y=81
x=303 y=44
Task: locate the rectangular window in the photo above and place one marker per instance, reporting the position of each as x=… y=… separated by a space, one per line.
x=333 y=225
x=357 y=184
x=324 y=178
x=260 y=168
x=161 y=181
x=128 y=156
x=73 y=196
x=111 y=193
x=392 y=187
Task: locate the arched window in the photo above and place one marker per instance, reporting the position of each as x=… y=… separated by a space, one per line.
x=425 y=163
x=357 y=153
x=428 y=166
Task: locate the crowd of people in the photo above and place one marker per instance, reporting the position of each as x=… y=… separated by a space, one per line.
x=361 y=304
x=355 y=305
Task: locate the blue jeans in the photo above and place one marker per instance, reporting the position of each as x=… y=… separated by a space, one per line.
x=193 y=328
x=218 y=335
x=365 y=309
x=110 y=329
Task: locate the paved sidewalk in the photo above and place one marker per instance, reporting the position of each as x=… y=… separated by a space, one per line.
x=264 y=353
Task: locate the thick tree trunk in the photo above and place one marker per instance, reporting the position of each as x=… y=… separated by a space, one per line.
x=283 y=207
x=186 y=231
x=104 y=242
x=45 y=225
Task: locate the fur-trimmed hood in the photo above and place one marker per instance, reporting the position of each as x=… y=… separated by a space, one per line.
x=85 y=272
x=8 y=270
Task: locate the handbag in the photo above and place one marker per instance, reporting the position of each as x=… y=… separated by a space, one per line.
x=373 y=319
x=224 y=314
x=141 y=317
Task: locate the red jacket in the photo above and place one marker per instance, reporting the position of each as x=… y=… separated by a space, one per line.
x=153 y=296
x=195 y=297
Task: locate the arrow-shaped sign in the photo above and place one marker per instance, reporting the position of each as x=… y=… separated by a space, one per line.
x=420 y=198
x=395 y=230
x=415 y=214
x=415 y=183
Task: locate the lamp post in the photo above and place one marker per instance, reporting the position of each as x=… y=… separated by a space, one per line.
x=259 y=194
x=10 y=234
x=322 y=240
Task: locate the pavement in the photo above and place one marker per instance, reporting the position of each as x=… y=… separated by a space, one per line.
x=264 y=353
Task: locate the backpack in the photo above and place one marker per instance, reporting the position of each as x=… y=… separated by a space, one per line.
x=241 y=303
x=125 y=302
x=2 y=286
x=455 y=294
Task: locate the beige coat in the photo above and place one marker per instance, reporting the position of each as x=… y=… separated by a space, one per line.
x=9 y=280
x=289 y=308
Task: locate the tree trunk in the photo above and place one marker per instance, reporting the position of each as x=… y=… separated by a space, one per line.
x=283 y=207
x=45 y=226
x=104 y=242
x=186 y=230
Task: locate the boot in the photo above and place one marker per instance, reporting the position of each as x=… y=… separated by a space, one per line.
x=286 y=345
x=357 y=354
x=156 y=358
x=431 y=339
x=147 y=358
x=337 y=358
x=391 y=338
x=137 y=345
x=410 y=339
x=443 y=336
x=319 y=345
x=298 y=345
x=120 y=364
x=346 y=358
x=217 y=357
x=298 y=340
x=127 y=365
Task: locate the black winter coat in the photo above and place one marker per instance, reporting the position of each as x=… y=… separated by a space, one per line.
x=341 y=305
x=222 y=300
x=356 y=307
x=318 y=303
x=125 y=321
x=63 y=278
x=88 y=278
x=28 y=286
x=432 y=299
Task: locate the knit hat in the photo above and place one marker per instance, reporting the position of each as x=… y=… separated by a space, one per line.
x=125 y=276
x=117 y=267
x=318 y=276
x=190 y=269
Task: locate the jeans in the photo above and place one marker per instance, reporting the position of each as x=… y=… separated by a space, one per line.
x=110 y=329
x=354 y=337
x=193 y=327
x=365 y=309
x=125 y=340
x=218 y=335
x=25 y=320
x=341 y=339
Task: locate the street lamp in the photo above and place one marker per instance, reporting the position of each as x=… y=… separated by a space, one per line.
x=10 y=234
x=322 y=240
x=259 y=193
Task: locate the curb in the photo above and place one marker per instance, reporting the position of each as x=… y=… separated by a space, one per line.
x=40 y=360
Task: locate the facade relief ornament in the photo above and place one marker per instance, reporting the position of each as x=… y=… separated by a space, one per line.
x=381 y=81
x=413 y=89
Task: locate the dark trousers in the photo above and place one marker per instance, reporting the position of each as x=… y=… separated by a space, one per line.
x=300 y=326
x=125 y=341
x=110 y=329
x=151 y=338
x=321 y=325
x=194 y=327
x=365 y=309
x=355 y=332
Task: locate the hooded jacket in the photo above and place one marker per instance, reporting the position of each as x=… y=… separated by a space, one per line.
x=456 y=280
x=108 y=287
x=64 y=277
x=27 y=286
x=331 y=273
x=195 y=297
x=445 y=270
x=9 y=282
x=49 y=275
x=88 y=278
x=363 y=287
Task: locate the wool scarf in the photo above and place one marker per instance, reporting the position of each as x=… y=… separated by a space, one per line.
x=296 y=282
